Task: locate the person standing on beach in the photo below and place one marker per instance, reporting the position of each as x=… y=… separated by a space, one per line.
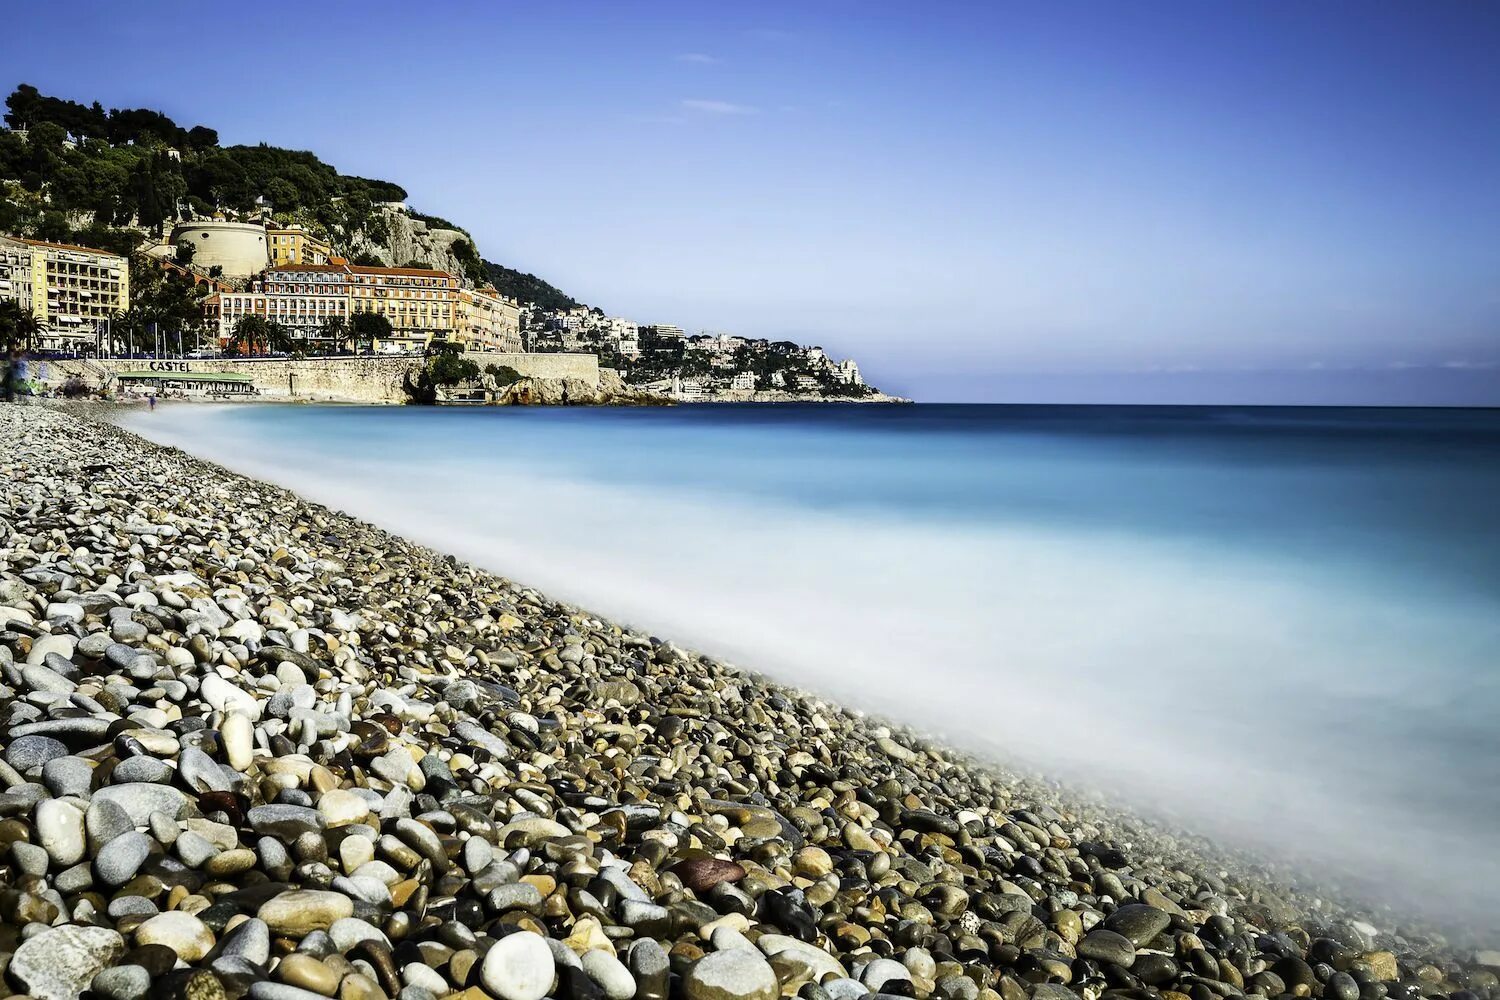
x=18 y=374
x=15 y=372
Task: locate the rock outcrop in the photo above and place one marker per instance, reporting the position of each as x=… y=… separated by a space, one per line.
x=410 y=240
x=575 y=392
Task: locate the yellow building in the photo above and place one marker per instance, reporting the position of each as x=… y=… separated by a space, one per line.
x=487 y=321
x=421 y=305
x=294 y=245
x=70 y=290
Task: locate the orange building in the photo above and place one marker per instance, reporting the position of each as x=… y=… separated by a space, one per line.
x=423 y=306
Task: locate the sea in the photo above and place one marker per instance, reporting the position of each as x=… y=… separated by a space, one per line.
x=1276 y=627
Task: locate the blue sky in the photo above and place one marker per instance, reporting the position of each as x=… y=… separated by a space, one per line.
x=1241 y=201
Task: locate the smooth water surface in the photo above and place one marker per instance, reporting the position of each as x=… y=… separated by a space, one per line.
x=1279 y=626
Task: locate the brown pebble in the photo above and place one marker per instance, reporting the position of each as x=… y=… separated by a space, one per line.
x=702 y=874
x=307 y=972
x=360 y=987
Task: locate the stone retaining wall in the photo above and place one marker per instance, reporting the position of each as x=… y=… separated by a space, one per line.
x=352 y=379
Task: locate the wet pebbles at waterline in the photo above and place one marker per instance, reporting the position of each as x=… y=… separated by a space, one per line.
x=252 y=747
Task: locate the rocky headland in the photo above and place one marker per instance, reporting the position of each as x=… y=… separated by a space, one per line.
x=250 y=746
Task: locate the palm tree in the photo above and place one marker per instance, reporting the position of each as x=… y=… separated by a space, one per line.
x=278 y=338
x=17 y=325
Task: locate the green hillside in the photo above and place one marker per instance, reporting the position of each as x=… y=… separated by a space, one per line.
x=77 y=173
x=527 y=287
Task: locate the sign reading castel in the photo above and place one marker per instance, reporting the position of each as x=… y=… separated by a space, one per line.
x=168 y=366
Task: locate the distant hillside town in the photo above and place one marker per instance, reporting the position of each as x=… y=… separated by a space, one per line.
x=122 y=233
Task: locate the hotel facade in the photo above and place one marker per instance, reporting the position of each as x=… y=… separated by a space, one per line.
x=289 y=245
x=423 y=306
x=71 y=290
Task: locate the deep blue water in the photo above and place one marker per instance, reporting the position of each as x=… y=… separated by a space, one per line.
x=1281 y=626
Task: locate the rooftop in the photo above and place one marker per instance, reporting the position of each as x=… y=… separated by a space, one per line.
x=416 y=272
x=61 y=246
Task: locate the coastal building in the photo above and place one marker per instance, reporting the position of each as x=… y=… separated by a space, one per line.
x=487 y=321
x=575 y=319
x=15 y=273
x=624 y=336
x=662 y=335
x=71 y=290
x=847 y=372
x=237 y=249
x=295 y=245
x=691 y=390
x=743 y=381
x=422 y=305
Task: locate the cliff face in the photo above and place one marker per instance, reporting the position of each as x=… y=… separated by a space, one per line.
x=611 y=391
x=411 y=239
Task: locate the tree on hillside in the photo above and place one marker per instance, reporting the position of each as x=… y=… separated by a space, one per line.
x=282 y=193
x=28 y=108
x=366 y=259
x=468 y=259
x=526 y=287
x=202 y=137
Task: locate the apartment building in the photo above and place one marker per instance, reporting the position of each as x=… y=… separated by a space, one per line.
x=289 y=245
x=487 y=321
x=625 y=336
x=70 y=290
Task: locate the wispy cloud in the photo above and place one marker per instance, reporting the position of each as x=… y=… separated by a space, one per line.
x=699 y=59
x=716 y=107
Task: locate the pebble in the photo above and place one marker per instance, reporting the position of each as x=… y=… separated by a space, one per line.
x=119 y=860
x=519 y=967
x=738 y=974
x=610 y=974
x=33 y=751
x=238 y=733
x=122 y=982
x=184 y=933
x=1137 y=922
x=299 y=913
x=1107 y=946
x=60 y=829
x=306 y=972
x=58 y=963
x=140 y=799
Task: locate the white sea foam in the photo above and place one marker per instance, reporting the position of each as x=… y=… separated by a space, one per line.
x=1264 y=708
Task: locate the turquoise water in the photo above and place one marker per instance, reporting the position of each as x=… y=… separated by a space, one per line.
x=1278 y=626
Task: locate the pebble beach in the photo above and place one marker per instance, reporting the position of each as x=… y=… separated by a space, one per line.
x=250 y=746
